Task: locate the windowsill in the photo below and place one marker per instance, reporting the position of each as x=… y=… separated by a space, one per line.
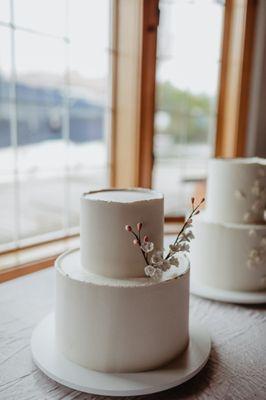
x=30 y=259
x=25 y=261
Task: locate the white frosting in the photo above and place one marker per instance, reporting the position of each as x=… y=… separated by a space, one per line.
x=106 y=247
x=123 y=196
x=229 y=256
x=236 y=190
x=119 y=325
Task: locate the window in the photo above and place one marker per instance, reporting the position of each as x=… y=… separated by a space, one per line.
x=54 y=114
x=187 y=80
x=78 y=80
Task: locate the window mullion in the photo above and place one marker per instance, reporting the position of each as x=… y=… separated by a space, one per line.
x=14 y=130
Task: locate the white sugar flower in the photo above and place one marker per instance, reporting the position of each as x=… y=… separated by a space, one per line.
x=184 y=247
x=187 y=236
x=147 y=247
x=253 y=254
x=157 y=258
x=165 y=265
x=157 y=274
x=174 y=261
x=184 y=238
x=189 y=223
x=174 y=247
x=239 y=194
x=158 y=261
x=149 y=270
x=252 y=233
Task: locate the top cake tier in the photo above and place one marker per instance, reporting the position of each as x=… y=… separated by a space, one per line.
x=106 y=247
x=236 y=190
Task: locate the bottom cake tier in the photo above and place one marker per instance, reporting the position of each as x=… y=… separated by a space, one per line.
x=113 y=325
x=229 y=256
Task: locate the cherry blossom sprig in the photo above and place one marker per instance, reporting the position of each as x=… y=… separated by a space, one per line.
x=144 y=244
x=155 y=261
x=183 y=234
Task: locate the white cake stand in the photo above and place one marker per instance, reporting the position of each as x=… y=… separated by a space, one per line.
x=227 y=296
x=57 y=367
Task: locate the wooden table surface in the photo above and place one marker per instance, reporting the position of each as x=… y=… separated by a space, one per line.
x=235 y=370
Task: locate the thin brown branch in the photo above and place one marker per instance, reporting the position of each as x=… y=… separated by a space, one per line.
x=195 y=210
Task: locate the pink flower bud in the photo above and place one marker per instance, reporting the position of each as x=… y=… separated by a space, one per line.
x=145 y=239
x=128 y=228
x=139 y=226
x=135 y=242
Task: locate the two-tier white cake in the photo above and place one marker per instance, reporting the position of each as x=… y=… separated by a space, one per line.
x=109 y=316
x=229 y=251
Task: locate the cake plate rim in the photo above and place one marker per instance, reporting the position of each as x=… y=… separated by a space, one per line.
x=53 y=364
x=227 y=296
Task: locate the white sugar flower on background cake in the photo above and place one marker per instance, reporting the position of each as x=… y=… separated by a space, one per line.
x=156 y=261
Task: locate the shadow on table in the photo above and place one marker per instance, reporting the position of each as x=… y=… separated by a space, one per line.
x=254 y=307
x=192 y=388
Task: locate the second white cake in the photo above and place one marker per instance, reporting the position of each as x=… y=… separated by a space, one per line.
x=229 y=250
x=229 y=256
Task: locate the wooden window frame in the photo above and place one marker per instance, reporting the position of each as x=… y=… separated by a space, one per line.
x=236 y=68
x=133 y=103
x=134 y=92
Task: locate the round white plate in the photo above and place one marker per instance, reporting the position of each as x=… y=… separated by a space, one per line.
x=57 y=367
x=228 y=296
